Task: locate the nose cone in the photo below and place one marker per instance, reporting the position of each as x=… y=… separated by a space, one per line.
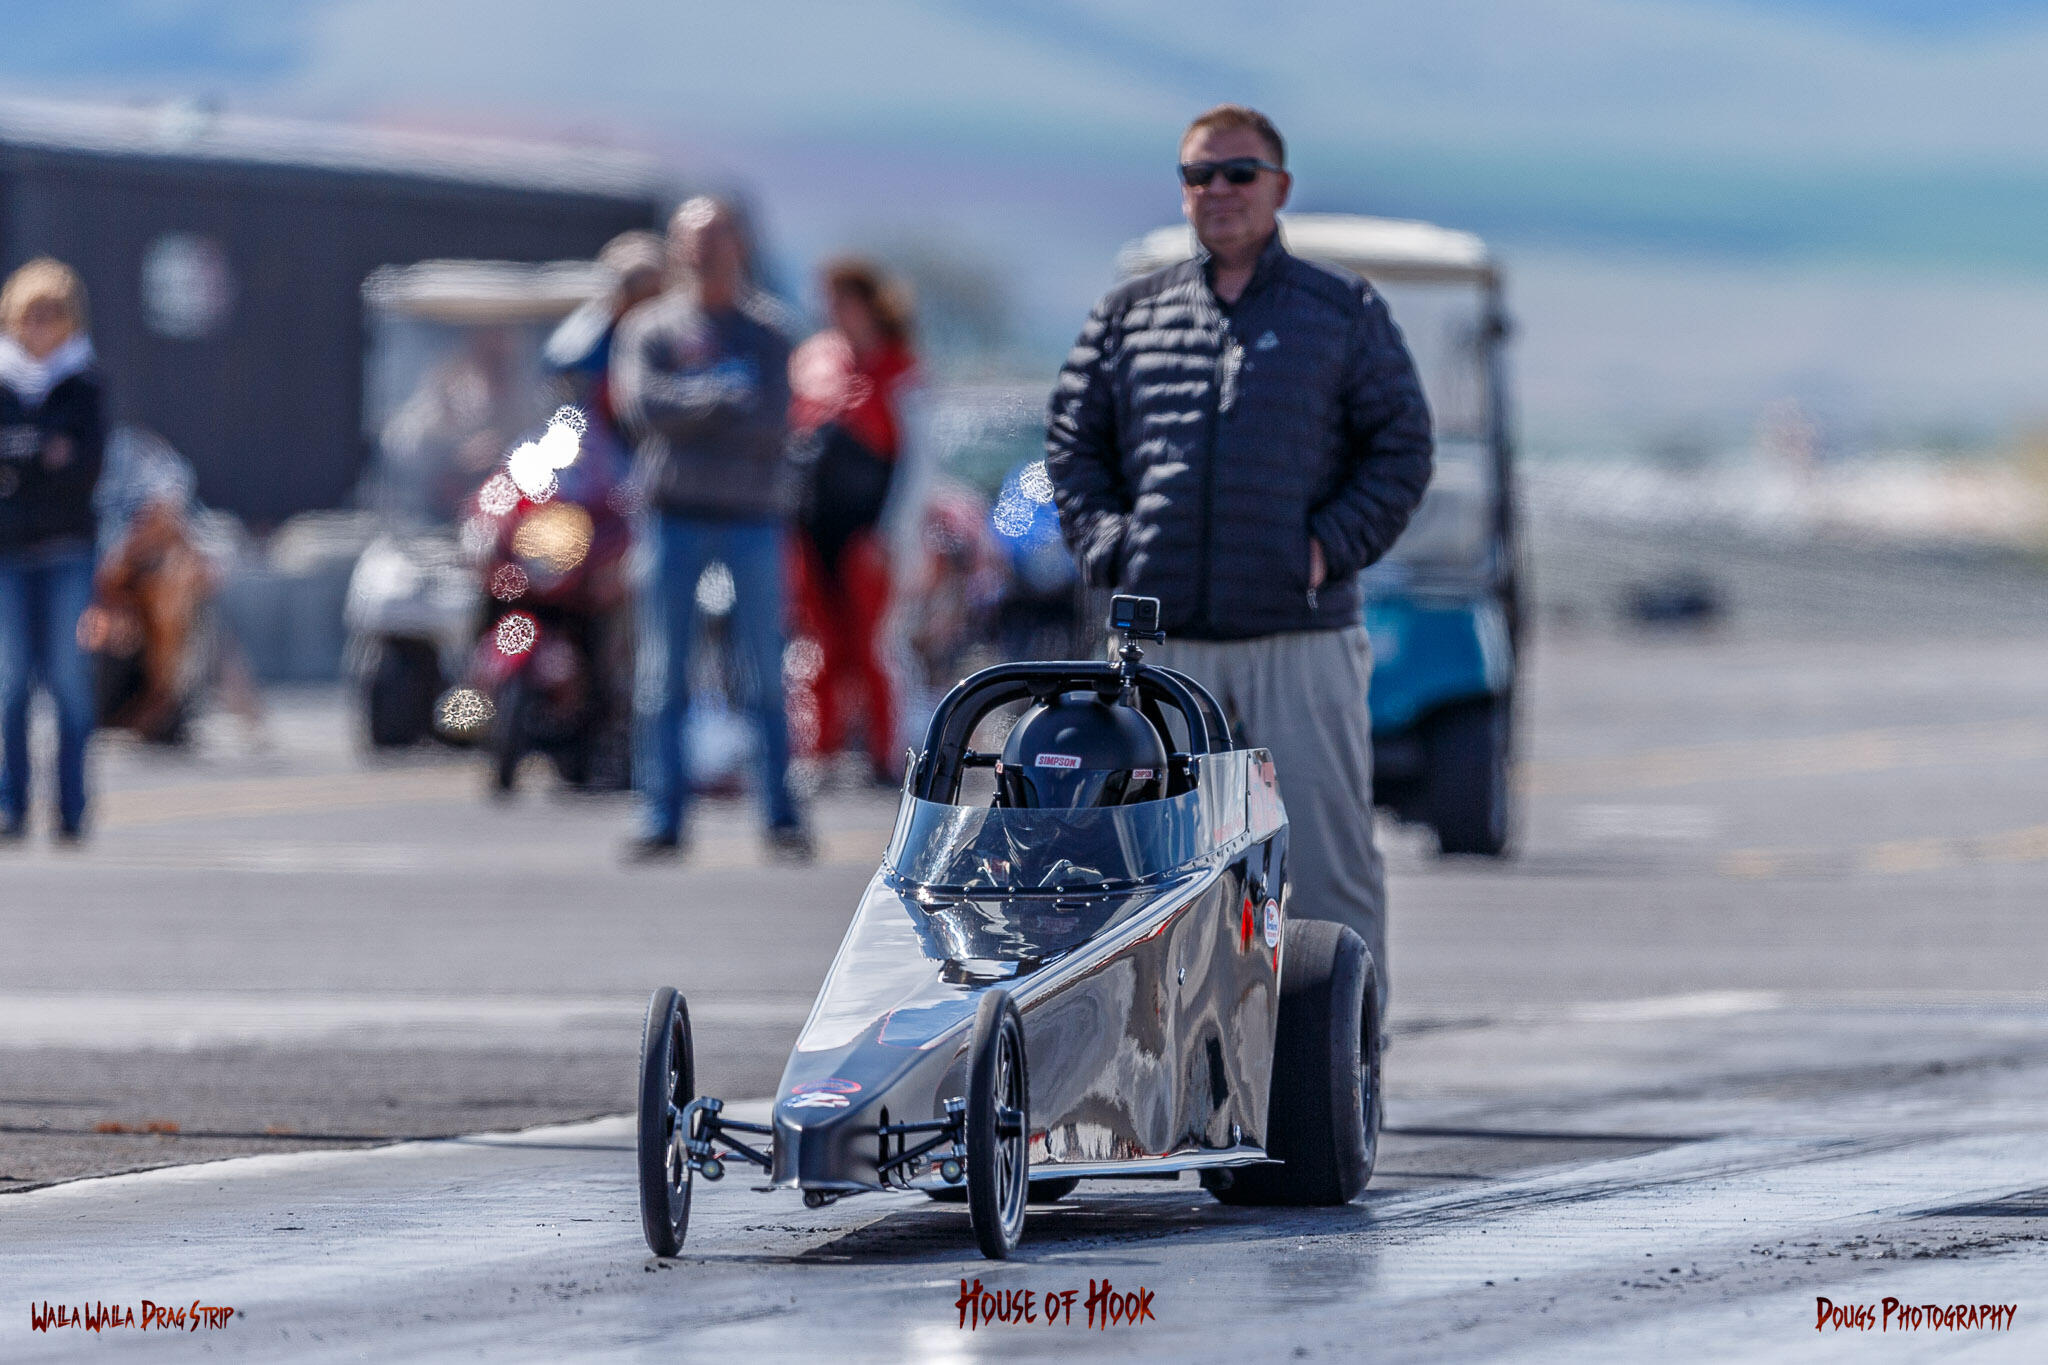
x=832 y=1106
x=828 y=1140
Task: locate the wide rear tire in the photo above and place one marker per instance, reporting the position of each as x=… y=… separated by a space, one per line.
x=1323 y=1122
x=668 y=1082
x=998 y=1127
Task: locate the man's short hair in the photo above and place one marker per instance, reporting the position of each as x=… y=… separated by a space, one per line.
x=1225 y=116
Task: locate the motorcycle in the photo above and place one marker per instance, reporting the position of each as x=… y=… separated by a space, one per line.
x=549 y=667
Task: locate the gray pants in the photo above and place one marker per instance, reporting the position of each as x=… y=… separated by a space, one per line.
x=1302 y=695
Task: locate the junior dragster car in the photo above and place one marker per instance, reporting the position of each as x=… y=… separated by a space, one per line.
x=1078 y=960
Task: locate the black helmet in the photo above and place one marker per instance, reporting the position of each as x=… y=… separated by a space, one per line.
x=1081 y=751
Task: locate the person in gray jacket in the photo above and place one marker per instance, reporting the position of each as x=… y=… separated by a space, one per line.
x=700 y=377
x=1238 y=436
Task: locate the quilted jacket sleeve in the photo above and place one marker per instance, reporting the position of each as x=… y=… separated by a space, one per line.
x=1081 y=453
x=1387 y=430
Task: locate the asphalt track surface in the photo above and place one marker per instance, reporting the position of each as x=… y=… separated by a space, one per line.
x=1759 y=1014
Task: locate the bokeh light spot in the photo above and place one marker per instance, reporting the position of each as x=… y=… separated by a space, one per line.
x=498 y=496
x=715 y=592
x=508 y=582
x=554 y=537
x=465 y=711
x=516 y=633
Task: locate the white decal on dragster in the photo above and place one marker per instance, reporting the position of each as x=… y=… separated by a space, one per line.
x=817 y=1099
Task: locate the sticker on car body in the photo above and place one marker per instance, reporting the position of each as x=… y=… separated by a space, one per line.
x=817 y=1099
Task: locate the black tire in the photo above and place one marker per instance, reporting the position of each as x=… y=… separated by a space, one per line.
x=998 y=1127
x=668 y=1082
x=398 y=698
x=1323 y=1121
x=511 y=735
x=1467 y=783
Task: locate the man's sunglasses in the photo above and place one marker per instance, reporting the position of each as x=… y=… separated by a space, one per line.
x=1238 y=170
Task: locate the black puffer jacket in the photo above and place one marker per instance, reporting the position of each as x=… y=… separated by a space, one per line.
x=45 y=500
x=1194 y=448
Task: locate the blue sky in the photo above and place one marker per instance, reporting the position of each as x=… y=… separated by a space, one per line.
x=1820 y=149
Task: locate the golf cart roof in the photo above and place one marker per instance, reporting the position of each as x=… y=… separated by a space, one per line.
x=1388 y=249
x=484 y=292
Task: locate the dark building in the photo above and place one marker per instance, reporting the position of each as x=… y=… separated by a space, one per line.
x=225 y=259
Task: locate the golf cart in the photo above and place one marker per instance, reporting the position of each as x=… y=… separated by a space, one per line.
x=454 y=378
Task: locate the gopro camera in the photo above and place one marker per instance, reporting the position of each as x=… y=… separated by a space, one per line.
x=1135 y=616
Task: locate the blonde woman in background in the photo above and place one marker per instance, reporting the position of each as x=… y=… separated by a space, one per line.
x=52 y=436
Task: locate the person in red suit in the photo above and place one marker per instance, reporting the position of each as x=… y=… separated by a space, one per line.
x=847 y=391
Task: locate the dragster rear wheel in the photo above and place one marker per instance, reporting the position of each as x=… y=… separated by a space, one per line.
x=998 y=1127
x=1323 y=1121
x=668 y=1082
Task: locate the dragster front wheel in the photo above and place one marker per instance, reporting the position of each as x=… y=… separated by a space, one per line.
x=998 y=1126
x=668 y=1082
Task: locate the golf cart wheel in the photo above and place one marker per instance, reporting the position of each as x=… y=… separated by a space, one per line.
x=510 y=730
x=1040 y=1192
x=398 y=697
x=668 y=1082
x=998 y=1127
x=1323 y=1122
x=1467 y=798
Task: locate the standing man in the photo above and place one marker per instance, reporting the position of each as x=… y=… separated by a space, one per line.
x=579 y=350
x=701 y=380
x=1238 y=436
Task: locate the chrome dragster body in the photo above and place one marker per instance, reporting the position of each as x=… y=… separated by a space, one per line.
x=1140 y=943
x=1035 y=991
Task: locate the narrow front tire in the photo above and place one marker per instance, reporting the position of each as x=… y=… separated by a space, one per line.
x=998 y=1127
x=668 y=1082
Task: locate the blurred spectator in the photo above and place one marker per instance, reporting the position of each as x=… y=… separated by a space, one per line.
x=143 y=627
x=701 y=379
x=846 y=384
x=955 y=575
x=457 y=425
x=579 y=353
x=51 y=441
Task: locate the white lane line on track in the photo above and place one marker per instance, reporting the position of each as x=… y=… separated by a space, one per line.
x=1757 y=760
x=183 y=1020
x=721 y=850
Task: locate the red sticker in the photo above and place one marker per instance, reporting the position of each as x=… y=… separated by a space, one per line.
x=832 y=1085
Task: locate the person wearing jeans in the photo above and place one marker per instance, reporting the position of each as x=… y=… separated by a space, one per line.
x=52 y=438
x=681 y=549
x=700 y=377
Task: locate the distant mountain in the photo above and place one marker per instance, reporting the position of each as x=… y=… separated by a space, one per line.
x=1862 y=139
